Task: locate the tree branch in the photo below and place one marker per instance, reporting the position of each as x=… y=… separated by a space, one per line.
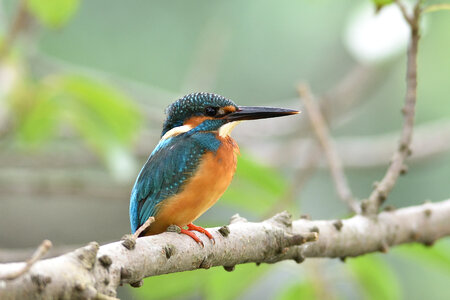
x=397 y=167
x=323 y=136
x=37 y=255
x=406 y=16
x=95 y=272
x=430 y=139
x=20 y=254
x=18 y=23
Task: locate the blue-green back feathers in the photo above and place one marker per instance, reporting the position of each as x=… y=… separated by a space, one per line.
x=168 y=168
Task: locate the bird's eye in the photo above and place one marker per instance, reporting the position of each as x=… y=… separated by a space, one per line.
x=210 y=111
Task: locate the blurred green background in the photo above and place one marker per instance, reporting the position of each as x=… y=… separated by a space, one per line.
x=84 y=84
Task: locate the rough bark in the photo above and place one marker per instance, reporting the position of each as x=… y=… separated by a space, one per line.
x=94 y=272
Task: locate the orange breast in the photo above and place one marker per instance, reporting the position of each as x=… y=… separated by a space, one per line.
x=212 y=178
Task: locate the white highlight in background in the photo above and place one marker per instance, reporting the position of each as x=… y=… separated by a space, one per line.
x=375 y=37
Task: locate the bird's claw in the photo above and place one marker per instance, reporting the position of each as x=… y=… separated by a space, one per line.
x=193 y=227
x=193 y=236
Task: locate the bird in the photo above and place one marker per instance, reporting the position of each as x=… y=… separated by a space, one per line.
x=193 y=163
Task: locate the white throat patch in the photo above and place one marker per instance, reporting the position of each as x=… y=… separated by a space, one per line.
x=176 y=131
x=226 y=129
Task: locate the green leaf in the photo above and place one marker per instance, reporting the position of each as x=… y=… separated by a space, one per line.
x=260 y=175
x=223 y=285
x=170 y=286
x=246 y=196
x=37 y=123
x=53 y=13
x=303 y=290
x=380 y=3
x=437 y=256
x=376 y=277
x=255 y=187
x=105 y=106
x=211 y=284
x=105 y=118
x=111 y=113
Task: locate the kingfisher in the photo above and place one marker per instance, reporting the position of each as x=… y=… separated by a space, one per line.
x=193 y=163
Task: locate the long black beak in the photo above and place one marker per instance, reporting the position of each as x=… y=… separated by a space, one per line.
x=258 y=112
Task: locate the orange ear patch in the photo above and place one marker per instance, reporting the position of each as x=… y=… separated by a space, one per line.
x=229 y=109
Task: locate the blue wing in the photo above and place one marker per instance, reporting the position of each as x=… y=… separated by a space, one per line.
x=169 y=166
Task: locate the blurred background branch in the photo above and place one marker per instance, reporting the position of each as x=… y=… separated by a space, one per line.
x=328 y=147
x=17 y=24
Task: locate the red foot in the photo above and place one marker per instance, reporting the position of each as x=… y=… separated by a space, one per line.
x=202 y=230
x=192 y=235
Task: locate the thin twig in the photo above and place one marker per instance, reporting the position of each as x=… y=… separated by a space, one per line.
x=40 y=251
x=144 y=226
x=19 y=21
x=437 y=7
x=430 y=140
x=405 y=13
x=22 y=254
x=397 y=167
x=327 y=144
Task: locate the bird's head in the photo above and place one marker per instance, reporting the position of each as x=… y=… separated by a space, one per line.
x=211 y=112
